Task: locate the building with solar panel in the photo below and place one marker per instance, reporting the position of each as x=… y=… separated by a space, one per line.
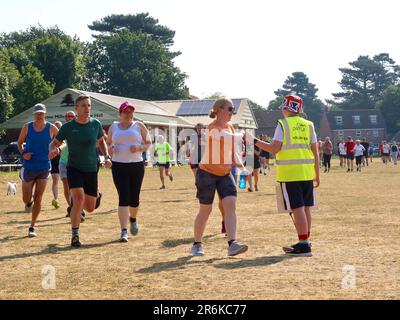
x=167 y=118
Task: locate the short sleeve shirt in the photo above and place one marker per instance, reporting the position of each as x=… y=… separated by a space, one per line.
x=82 y=141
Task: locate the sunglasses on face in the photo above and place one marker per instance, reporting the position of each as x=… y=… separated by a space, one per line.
x=230 y=109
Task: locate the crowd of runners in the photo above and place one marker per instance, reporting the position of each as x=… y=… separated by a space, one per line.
x=219 y=157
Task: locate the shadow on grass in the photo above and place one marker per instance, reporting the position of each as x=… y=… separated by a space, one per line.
x=29 y=221
x=177 y=242
x=258 y=262
x=88 y=215
x=177 y=264
x=54 y=249
x=11 y=238
x=173 y=201
x=14 y=212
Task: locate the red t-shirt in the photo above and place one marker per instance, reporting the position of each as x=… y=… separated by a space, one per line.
x=349 y=145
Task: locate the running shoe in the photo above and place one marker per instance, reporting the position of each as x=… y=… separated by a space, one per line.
x=197 y=250
x=299 y=250
x=237 y=248
x=75 y=243
x=55 y=204
x=32 y=233
x=124 y=236
x=134 y=228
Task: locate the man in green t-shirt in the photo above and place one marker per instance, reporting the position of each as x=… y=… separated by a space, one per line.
x=163 y=152
x=82 y=135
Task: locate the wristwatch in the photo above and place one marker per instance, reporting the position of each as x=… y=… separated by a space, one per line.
x=107 y=158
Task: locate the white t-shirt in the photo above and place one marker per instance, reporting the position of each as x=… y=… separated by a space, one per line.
x=278 y=136
x=342 y=150
x=386 y=148
x=358 y=150
x=123 y=139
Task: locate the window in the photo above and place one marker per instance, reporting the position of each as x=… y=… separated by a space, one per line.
x=373 y=119
x=339 y=120
x=356 y=120
x=375 y=133
x=358 y=133
x=340 y=133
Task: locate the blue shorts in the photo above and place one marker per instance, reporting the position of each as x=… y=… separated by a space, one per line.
x=208 y=183
x=28 y=175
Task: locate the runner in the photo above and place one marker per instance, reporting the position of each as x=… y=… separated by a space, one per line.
x=214 y=175
x=82 y=135
x=55 y=174
x=33 y=144
x=366 y=146
x=358 y=153
x=163 y=153
x=70 y=115
x=127 y=141
x=342 y=153
x=349 y=147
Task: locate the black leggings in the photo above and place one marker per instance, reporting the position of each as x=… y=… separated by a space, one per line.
x=327 y=160
x=128 y=178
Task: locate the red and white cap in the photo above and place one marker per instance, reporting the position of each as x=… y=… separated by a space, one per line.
x=292 y=103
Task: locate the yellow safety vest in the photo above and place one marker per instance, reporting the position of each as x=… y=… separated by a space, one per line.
x=295 y=160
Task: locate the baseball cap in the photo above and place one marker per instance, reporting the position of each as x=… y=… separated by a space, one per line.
x=125 y=106
x=39 y=108
x=292 y=103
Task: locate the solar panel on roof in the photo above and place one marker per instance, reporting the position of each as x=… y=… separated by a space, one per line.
x=201 y=107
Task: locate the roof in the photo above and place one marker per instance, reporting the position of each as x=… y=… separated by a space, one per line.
x=266 y=118
x=348 y=122
x=196 y=111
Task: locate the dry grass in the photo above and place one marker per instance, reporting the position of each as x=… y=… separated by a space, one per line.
x=357 y=225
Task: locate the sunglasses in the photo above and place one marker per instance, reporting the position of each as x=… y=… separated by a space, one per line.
x=230 y=109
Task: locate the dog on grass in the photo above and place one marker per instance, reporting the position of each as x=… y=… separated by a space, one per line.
x=11 y=188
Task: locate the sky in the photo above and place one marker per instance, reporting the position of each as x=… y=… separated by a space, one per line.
x=242 y=49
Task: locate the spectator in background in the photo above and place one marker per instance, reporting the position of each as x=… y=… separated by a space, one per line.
x=349 y=147
x=358 y=153
x=385 y=152
x=342 y=153
x=327 y=150
x=366 y=146
x=394 y=149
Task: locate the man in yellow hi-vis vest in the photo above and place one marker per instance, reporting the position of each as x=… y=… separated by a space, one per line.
x=297 y=168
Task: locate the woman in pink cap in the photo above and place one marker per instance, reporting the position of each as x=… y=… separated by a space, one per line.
x=127 y=140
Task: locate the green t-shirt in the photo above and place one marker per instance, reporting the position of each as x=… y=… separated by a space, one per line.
x=82 y=140
x=163 y=152
x=64 y=155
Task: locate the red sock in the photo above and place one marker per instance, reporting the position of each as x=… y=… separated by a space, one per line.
x=303 y=237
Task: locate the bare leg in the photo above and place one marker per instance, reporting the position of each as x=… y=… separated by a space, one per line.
x=123 y=214
x=55 y=177
x=162 y=176
x=229 y=204
x=66 y=191
x=133 y=212
x=27 y=191
x=37 y=199
x=201 y=221
x=301 y=221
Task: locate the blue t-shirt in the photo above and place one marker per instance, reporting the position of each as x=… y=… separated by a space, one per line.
x=37 y=143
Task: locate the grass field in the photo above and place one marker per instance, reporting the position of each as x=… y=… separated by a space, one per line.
x=355 y=237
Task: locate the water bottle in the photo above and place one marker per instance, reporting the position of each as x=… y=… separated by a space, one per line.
x=242 y=181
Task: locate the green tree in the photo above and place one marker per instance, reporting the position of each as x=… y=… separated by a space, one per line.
x=58 y=56
x=30 y=89
x=134 y=65
x=215 y=95
x=8 y=69
x=364 y=82
x=299 y=84
x=390 y=108
x=6 y=99
x=141 y=22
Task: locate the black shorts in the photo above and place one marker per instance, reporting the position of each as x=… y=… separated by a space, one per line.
x=350 y=156
x=54 y=165
x=86 y=180
x=208 y=183
x=165 y=165
x=297 y=194
x=384 y=154
x=257 y=164
x=365 y=154
x=359 y=160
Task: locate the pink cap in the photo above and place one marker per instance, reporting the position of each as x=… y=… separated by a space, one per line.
x=125 y=106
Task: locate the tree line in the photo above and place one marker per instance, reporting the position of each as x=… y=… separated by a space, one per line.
x=131 y=56
x=368 y=83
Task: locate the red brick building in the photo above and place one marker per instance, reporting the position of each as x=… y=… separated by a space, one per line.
x=358 y=124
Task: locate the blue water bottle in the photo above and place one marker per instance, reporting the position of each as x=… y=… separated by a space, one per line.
x=242 y=181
